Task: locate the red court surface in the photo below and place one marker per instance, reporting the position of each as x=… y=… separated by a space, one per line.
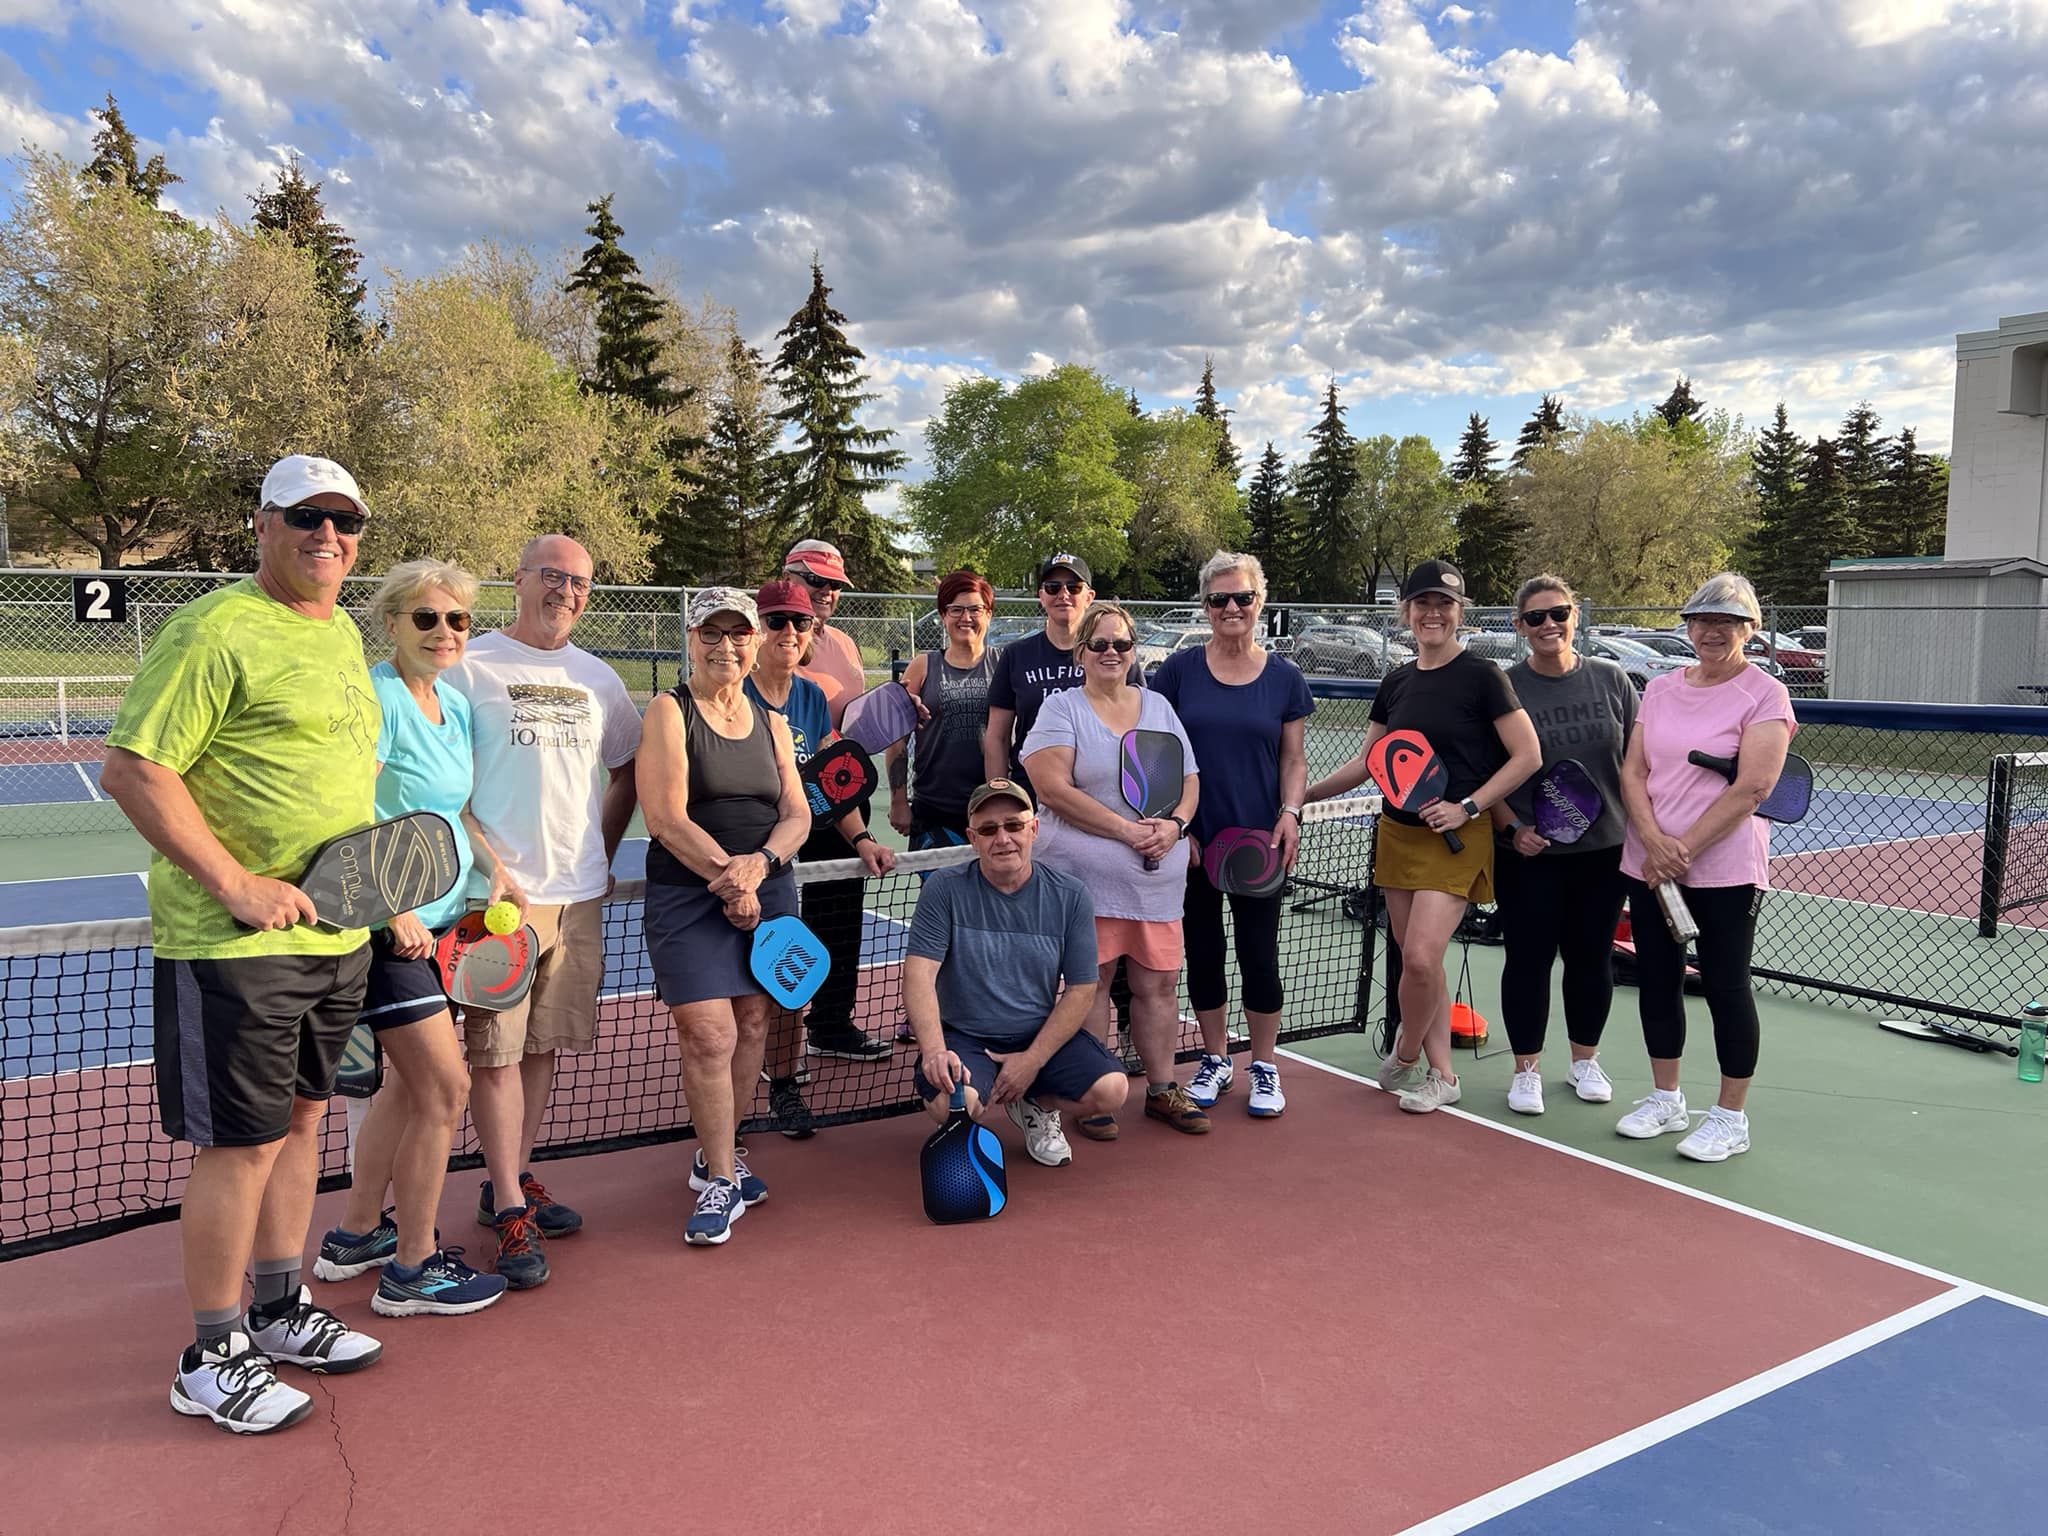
x=1346 y=1320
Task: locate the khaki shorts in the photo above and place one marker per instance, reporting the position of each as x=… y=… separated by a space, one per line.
x=1409 y=858
x=560 y=1013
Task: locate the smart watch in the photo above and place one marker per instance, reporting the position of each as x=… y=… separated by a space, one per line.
x=775 y=862
x=1470 y=807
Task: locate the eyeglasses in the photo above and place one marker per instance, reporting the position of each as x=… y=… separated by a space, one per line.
x=306 y=518
x=425 y=620
x=1716 y=620
x=1531 y=617
x=1225 y=599
x=1016 y=826
x=964 y=611
x=818 y=583
x=1121 y=647
x=712 y=637
x=555 y=578
x=800 y=622
x=1054 y=588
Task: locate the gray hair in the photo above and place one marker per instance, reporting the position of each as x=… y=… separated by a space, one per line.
x=406 y=584
x=1545 y=583
x=1223 y=562
x=1725 y=592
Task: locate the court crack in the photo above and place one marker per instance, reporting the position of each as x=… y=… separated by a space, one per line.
x=340 y=1450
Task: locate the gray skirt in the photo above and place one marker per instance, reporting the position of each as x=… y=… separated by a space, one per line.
x=695 y=952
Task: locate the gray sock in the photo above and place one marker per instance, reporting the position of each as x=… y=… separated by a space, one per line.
x=211 y=1328
x=276 y=1281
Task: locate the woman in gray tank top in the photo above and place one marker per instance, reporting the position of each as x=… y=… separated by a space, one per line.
x=930 y=781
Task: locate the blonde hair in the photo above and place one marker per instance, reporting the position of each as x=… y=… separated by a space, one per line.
x=1544 y=583
x=1223 y=562
x=403 y=585
x=1097 y=615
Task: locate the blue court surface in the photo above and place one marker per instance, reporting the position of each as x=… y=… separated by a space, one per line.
x=1844 y=818
x=49 y=783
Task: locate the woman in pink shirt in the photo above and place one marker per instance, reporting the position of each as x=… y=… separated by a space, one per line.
x=1689 y=825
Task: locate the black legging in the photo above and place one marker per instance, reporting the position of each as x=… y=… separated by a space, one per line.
x=1567 y=904
x=831 y=910
x=1256 y=921
x=1726 y=915
x=926 y=821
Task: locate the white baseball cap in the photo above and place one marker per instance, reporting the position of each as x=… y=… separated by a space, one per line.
x=301 y=476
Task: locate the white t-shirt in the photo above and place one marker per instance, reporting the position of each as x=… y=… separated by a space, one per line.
x=549 y=727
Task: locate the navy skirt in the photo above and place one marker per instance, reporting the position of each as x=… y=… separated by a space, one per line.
x=695 y=951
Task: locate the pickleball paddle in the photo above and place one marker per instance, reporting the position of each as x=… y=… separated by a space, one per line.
x=1567 y=802
x=789 y=961
x=935 y=837
x=362 y=1065
x=1411 y=776
x=1152 y=770
x=369 y=876
x=1244 y=861
x=484 y=970
x=1790 y=798
x=837 y=780
x=1947 y=1034
x=879 y=718
x=961 y=1168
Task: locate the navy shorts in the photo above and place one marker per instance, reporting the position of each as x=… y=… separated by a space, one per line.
x=1075 y=1067
x=401 y=991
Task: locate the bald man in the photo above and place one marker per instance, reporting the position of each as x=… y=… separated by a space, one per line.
x=554 y=732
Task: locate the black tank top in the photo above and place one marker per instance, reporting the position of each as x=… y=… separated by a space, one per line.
x=735 y=789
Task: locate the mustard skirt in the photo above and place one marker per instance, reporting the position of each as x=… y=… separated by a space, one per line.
x=1416 y=859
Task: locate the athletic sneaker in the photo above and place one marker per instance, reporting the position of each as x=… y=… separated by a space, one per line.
x=344 y=1255
x=1211 y=1081
x=311 y=1336
x=1654 y=1116
x=1525 y=1093
x=1720 y=1136
x=1172 y=1105
x=522 y=1253
x=1097 y=1127
x=1590 y=1082
x=442 y=1286
x=847 y=1043
x=1433 y=1093
x=1043 y=1138
x=1398 y=1076
x=1267 y=1101
x=233 y=1383
x=549 y=1214
x=718 y=1207
x=786 y=1107
x=752 y=1188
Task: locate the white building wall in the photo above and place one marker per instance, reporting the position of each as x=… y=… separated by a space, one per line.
x=1998 y=462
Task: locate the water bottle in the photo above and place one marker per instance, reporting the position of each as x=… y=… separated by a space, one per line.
x=2033 y=1041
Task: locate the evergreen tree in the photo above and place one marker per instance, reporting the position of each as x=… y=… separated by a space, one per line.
x=113 y=158
x=836 y=461
x=293 y=209
x=629 y=314
x=1775 y=464
x=1208 y=409
x=1274 y=533
x=1489 y=531
x=1328 y=568
x=1915 y=500
x=726 y=525
x=1131 y=404
x=1544 y=426
x=1793 y=568
x=1860 y=451
x=1681 y=404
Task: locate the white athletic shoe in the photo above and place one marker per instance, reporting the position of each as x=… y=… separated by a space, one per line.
x=311 y=1336
x=1398 y=1076
x=1720 y=1136
x=234 y=1384
x=1654 y=1116
x=1266 y=1101
x=1043 y=1138
x=1525 y=1093
x=1211 y=1081
x=1590 y=1082
x=1435 y=1092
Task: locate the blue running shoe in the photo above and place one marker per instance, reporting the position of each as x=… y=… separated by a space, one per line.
x=522 y=1259
x=554 y=1218
x=344 y=1255
x=753 y=1189
x=718 y=1207
x=443 y=1286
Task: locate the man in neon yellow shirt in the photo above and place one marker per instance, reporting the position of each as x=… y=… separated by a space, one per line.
x=247 y=740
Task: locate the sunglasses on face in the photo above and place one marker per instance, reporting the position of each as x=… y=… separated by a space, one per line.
x=1121 y=647
x=1531 y=617
x=1016 y=826
x=800 y=622
x=425 y=620
x=818 y=583
x=307 y=517
x=712 y=637
x=1225 y=599
x=1055 y=588
x=555 y=578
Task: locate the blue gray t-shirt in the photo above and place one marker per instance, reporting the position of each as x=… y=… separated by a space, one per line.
x=1236 y=729
x=1002 y=958
x=426 y=767
x=1585 y=714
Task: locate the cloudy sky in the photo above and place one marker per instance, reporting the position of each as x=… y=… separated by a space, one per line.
x=1446 y=207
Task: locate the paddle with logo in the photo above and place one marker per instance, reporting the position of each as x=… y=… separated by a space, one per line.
x=1790 y=798
x=836 y=780
x=879 y=718
x=481 y=970
x=961 y=1168
x=1410 y=775
x=1152 y=772
x=789 y=961
x=369 y=876
x=1568 y=802
x=1244 y=861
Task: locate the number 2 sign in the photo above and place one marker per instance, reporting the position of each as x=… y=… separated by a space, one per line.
x=99 y=599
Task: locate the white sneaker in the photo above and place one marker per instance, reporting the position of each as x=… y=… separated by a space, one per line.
x=1590 y=1082
x=1266 y=1101
x=1435 y=1092
x=1211 y=1081
x=234 y=1384
x=1525 y=1093
x=1398 y=1076
x=315 y=1338
x=1719 y=1137
x=1654 y=1116
x=1043 y=1138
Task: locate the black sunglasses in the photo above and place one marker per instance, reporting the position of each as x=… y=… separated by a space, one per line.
x=1068 y=587
x=1225 y=599
x=1121 y=647
x=819 y=583
x=424 y=620
x=1531 y=617
x=800 y=622
x=306 y=518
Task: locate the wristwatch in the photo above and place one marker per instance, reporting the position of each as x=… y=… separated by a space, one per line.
x=861 y=837
x=1294 y=811
x=1470 y=807
x=1181 y=823
x=775 y=862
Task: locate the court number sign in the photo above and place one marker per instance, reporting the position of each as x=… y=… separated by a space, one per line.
x=99 y=599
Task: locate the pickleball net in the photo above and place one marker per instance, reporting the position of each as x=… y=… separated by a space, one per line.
x=2015 y=837
x=82 y=1155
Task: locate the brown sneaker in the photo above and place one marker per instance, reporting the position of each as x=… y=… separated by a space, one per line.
x=1097 y=1127
x=1173 y=1105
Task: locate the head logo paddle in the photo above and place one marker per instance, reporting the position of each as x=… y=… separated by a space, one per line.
x=1411 y=776
x=1568 y=802
x=1152 y=770
x=789 y=961
x=961 y=1168
x=837 y=780
x=1243 y=861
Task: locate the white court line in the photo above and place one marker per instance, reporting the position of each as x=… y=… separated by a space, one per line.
x=141 y=875
x=86 y=779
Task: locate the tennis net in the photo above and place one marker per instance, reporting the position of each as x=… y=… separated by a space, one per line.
x=2015 y=837
x=82 y=1155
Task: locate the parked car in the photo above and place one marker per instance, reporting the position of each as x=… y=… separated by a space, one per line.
x=1676 y=644
x=1814 y=637
x=1347 y=650
x=1503 y=650
x=1639 y=661
x=1805 y=667
x=1160 y=641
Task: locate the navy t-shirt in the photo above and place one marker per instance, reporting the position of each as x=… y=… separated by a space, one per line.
x=1026 y=671
x=1236 y=730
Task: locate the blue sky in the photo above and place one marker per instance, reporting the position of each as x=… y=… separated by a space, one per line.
x=1444 y=207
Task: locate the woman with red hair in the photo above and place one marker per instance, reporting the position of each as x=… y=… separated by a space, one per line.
x=929 y=806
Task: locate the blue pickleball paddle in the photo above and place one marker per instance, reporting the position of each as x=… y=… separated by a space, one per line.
x=789 y=961
x=961 y=1168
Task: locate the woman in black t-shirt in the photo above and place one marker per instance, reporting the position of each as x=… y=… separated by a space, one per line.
x=1465 y=709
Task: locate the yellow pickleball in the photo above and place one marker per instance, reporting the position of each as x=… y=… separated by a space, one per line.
x=501 y=917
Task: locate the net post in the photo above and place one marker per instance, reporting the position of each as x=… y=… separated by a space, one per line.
x=63 y=714
x=1997 y=822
